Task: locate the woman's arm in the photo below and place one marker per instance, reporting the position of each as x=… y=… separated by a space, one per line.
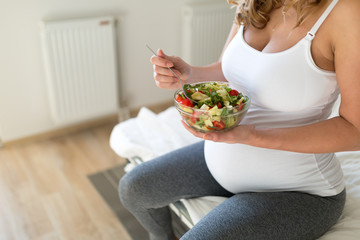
x=164 y=78
x=337 y=134
x=213 y=72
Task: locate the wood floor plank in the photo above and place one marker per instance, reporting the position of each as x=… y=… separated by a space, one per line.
x=45 y=192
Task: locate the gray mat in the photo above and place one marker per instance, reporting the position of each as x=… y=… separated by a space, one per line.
x=106 y=183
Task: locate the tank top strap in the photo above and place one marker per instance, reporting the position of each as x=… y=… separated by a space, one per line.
x=313 y=30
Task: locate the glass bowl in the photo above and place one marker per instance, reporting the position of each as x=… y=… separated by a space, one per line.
x=216 y=118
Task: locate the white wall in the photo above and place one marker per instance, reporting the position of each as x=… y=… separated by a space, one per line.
x=24 y=108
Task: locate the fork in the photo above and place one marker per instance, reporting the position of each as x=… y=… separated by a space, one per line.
x=182 y=85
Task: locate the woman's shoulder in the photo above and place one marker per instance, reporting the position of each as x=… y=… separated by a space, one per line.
x=344 y=20
x=347 y=12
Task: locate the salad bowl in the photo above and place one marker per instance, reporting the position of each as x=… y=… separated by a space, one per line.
x=217 y=106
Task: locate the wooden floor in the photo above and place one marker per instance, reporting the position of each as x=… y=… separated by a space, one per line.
x=45 y=192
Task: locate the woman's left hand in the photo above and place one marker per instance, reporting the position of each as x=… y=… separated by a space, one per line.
x=240 y=134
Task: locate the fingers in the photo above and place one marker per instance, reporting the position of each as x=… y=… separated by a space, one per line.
x=192 y=131
x=213 y=136
x=161 y=60
x=210 y=137
x=164 y=77
x=165 y=81
x=167 y=85
x=165 y=71
x=161 y=53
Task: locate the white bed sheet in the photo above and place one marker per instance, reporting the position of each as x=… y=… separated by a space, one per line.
x=150 y=135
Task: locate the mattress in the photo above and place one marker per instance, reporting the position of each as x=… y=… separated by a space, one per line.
x=149 y=135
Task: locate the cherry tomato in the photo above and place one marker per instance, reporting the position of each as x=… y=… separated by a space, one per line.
x=179 y=98
x=187 y=102
x=219 y=125
x=219 y=105
x=196 y=116
x=233 y=92
x=184 y=101
x=210 y=128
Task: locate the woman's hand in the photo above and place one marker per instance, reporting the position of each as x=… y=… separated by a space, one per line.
x=240 y=134
x=164 y=78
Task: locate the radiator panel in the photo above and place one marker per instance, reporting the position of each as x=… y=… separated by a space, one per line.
x=205 y=29
x=81 y=68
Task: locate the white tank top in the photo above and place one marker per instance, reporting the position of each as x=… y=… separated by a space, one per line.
x=287 y=90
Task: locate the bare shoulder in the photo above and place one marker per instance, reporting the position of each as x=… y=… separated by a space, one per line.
x=344 y=24
x=346 y=15
x=348 y=6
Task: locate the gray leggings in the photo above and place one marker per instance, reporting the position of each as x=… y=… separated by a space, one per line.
x=148 y=189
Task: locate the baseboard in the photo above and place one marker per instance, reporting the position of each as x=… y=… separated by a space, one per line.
x=156 y=108
x=111 y=119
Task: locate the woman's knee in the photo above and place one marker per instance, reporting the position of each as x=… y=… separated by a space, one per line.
x=123 y=189
x=129 y=190
x=135 y=190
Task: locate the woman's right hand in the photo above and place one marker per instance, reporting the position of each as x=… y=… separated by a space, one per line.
x=164 y=78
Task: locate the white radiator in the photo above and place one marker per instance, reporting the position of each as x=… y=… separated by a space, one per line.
x=81 y=68
x=206 y=27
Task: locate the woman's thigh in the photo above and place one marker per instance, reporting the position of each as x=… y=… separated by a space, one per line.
x=179 y=174
x=270 y=216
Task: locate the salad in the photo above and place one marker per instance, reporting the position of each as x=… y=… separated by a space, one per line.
x=217 y=106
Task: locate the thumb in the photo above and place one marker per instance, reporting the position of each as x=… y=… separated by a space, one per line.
x=161 y=53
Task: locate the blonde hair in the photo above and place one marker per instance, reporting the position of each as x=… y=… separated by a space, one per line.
x=257 y=12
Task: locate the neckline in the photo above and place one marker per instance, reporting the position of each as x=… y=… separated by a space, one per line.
x=307 y=39
x=290 y=49
x=309 y=36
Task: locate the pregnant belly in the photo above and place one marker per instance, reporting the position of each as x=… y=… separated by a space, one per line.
x=242 y=168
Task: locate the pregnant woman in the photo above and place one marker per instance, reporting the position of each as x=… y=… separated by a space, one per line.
x=278 y=167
